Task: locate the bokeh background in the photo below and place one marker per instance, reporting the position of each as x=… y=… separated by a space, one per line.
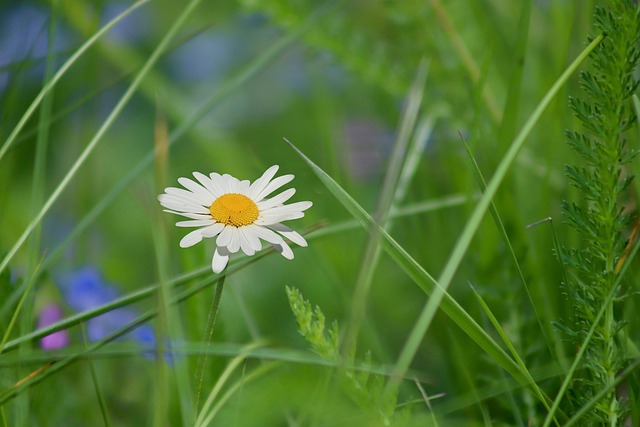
x=335 y=84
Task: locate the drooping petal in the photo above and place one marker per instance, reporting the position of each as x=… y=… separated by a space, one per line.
x=273 y=186
x=276 y=200
x=191 y=239
x=220 y=260
x=284 y=250
x=260 y=183
x=290 y=234
x=189 y=196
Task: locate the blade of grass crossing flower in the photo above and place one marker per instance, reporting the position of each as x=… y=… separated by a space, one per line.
x=389 y=188
x=585 y=344
x=106 y=125
x=417 y=273
x=49 y=86
x=424 y=321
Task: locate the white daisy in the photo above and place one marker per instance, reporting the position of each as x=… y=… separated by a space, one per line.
x=237 y=212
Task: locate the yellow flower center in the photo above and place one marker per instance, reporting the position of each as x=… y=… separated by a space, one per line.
x=234 y=209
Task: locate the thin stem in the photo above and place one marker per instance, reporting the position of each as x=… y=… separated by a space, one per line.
x=208 y=334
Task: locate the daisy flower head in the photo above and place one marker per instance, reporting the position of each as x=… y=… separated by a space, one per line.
x=237 y=213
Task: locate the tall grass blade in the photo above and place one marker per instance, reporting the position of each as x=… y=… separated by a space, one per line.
x=421 y=277
x=51 y=83
x=164 y=43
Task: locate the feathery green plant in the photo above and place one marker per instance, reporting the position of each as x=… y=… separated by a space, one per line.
x=365 y=390
x=606 y=113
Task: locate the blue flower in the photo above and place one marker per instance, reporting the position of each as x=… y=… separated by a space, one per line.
x=85 y=290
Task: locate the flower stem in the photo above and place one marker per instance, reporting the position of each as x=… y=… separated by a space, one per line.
x=208 y=333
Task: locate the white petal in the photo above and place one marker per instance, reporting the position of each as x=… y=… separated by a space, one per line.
x=243 y=187
x=276 y=200
x=251 y=237
x=195 y=223
x=293 y=207
x=245 y=245
x=274 y=219
x=284 y=250
x=191 y=239
x=209 y=184
x=181 y=192
x=266 y=234
x=204 y=196
x=231 y=183
x=188 y=214
x=218 y=182
x=290 y=234
x=220 y=260
x=225 y=236
x=260 y=183
x=273 y=186
x=213 y=230
x=177 y=203
x=234 y=245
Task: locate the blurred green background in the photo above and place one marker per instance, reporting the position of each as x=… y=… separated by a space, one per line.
x=336 y=89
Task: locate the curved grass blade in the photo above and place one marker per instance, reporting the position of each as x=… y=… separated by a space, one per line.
x=164 y=43
x=419 y=275
x=47 y=88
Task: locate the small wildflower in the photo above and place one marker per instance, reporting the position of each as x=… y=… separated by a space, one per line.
x=51 y=313
x=237 y=212
x=85 y=290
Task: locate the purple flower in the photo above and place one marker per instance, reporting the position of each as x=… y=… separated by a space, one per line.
x=50 y=314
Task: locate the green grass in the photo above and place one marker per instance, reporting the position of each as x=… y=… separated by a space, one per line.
x=428 y=136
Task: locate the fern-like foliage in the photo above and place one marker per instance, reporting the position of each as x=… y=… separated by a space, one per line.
x=606 y=114
x=364 y=389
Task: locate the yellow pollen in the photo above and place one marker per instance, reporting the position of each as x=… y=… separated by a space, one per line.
x=234 y=209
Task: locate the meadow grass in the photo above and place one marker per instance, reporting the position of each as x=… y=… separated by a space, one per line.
x=405 y=123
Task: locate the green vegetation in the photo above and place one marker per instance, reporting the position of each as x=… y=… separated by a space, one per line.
x=471 y=244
